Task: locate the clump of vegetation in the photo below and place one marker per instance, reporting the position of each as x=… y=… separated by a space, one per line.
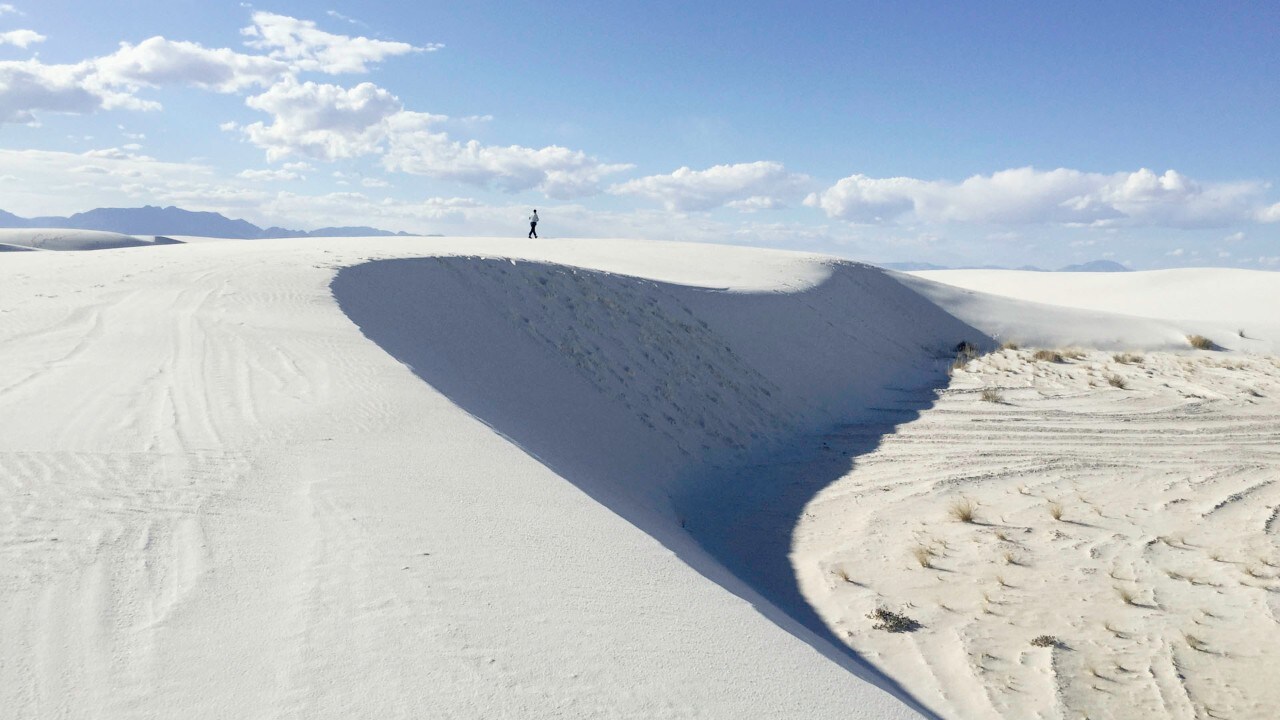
x=1046 y=641
x=1048 y=356
x=963 y=510
x=1009 y=345
x=1073 y=353
x=1201 y=342
x=891 y=621
x=924 y=555
x=1127 y=358
x=1128 y=596
x=992 y=395
x=1116 y=381
x=1056 y=510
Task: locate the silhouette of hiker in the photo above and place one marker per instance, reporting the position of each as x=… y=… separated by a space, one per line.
x=533 y=224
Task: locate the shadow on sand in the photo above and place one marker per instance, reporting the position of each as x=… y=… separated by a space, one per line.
x=706 y=418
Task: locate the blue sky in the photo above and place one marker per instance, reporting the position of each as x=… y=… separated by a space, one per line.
x=957 y=133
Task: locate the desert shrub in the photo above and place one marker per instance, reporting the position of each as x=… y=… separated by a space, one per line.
x=1073 y=353
x=963 y=510
x=891 y=621
x=923 y=555
x=1045 y=641
x=1048 y=356
x=992 y=395
x=1200 y=342
x=1116 y=381
x=1056 y=510
x=1127 y=358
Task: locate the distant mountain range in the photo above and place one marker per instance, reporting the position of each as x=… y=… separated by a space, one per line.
x=152 y=220
x=1094 y=266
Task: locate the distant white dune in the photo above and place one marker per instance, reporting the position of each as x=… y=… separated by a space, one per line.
x=451 y=477
x=1218 y=303
x=70 y=239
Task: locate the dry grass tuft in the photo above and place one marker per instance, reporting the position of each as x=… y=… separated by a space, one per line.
x=963 y=510
x=1196 y=643
x=1128 y=358
x=992 y=395
x=1073 y=353
x=924 y=555
x=1056 y=510
x=1048 y=641
x=1009 y=345
x=1201 y=342
x=1116 y=381
x=1048 y=356
x=1128 y=596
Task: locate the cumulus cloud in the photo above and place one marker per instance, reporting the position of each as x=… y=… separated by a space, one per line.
x=556 y=171
x=1062 y=196
x=29 y=86
x=157 y=62
x=6 y=8
x=322 y=121
x=113 y=81
x=21 y=38
x=746 y=186
x=306 y=47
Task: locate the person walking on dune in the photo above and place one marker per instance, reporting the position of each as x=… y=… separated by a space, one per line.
x=533 y=224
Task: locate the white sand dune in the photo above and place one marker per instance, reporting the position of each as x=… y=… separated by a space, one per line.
x=66 y=239
x=408 y=477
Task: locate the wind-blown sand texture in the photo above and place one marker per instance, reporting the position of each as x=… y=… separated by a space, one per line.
x=408 y=477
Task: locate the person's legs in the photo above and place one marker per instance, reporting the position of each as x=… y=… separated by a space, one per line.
x=533 y=229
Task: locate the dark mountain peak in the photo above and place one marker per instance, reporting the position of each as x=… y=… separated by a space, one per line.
x=1096 y=266
x=155 y=220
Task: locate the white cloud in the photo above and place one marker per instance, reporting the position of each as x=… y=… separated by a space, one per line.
x=556 y=171
x=322 y=121
x=1062 y=196
x=157 y=62
x=374 y=183
x=746 y=186
x=305 y=47
x=269 y=175
x=6 y=8
x=29 y=86
x=21 y=38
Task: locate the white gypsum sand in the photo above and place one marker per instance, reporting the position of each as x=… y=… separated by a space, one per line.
x=383 y=477
x=1124 y=511
x=219 y=498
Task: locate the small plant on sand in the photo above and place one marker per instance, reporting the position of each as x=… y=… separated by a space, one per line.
x=1116 y=381
x=1196 y=643
x=1048 y=356
x=924 y=555
x=891 y=621
x=1073 y=353
x=1200 y=342
x=1010 y=558
x=1115 y=631
x=1046 y=641
x=1128 y=596
x=1009 y=345
x=963 y=510
x=1127 y=358
x=844 y=575
x=1056 y=510
x=992 y=395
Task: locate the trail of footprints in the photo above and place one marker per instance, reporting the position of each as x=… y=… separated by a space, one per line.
x=1126 y=509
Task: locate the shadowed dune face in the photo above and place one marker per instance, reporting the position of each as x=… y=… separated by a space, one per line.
x=696 y=414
